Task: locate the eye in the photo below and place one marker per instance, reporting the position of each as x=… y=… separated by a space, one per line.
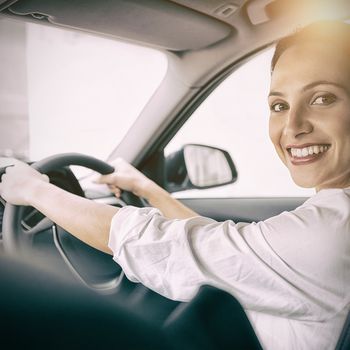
x=279 y=107
x=324 y=100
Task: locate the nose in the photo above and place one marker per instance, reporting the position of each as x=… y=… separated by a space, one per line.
x=297 y=122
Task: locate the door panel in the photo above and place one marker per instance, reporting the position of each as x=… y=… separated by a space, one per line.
x=242 y=209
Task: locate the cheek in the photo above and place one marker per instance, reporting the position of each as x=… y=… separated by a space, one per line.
x=345 y=125
x=275 y=131
x=338 y=128
x=341 y=135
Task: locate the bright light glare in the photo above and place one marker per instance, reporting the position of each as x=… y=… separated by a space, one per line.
x=85 y=91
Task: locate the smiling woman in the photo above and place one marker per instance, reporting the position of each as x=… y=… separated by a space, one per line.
x=310 y=105
x=290 y=271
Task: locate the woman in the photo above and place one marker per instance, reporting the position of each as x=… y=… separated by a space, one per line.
x=290 y=272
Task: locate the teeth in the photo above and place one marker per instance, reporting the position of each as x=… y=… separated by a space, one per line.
x=306 y=151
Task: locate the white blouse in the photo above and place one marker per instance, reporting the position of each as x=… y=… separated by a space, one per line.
x=291 y=272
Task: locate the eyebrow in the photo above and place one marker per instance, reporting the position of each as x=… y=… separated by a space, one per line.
x=311 y=85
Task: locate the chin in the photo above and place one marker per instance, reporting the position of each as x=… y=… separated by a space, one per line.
x=303 y=181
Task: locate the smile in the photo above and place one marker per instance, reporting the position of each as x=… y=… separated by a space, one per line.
x=307 y=154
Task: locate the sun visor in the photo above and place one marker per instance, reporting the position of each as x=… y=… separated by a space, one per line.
x=158 y=23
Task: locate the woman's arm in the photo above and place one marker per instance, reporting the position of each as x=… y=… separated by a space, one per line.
x=85 y=219
x=170 y=207
x=128 y=178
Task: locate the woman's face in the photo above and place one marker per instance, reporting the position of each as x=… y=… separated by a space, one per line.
x=310 y=115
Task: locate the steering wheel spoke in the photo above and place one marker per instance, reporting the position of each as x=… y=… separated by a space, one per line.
x=41 y=226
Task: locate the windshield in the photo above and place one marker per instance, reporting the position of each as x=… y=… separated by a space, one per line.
x=66 y=91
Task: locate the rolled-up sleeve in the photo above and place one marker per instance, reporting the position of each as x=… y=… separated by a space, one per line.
x=269 y=266
x=157 y=252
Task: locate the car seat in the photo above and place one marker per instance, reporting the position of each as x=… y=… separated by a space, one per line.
x=41 y=309
x=344 y=340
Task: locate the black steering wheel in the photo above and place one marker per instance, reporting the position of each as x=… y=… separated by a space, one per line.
x=17 y=240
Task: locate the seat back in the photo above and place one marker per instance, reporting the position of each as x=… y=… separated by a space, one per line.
x=212 y=320
x=344 y=340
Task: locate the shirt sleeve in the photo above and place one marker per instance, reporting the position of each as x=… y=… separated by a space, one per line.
x=287 y=265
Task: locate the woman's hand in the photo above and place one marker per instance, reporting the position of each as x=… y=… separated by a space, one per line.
x=19 y=182
x=128 y=178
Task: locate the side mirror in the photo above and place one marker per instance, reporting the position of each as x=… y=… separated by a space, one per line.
x=198 y=166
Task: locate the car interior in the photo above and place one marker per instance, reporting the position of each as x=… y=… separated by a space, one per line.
x=57 y=290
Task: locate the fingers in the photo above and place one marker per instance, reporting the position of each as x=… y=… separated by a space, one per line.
x=5 y=169
x=115 y=190
x=3 y=178
x=124 y=178
x=105 y=179
x=5 y=173
x=9 y=166
x=121 y=169
x=110 y=180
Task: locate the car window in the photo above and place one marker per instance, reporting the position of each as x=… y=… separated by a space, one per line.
x=235 y=118
x=66 y=91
